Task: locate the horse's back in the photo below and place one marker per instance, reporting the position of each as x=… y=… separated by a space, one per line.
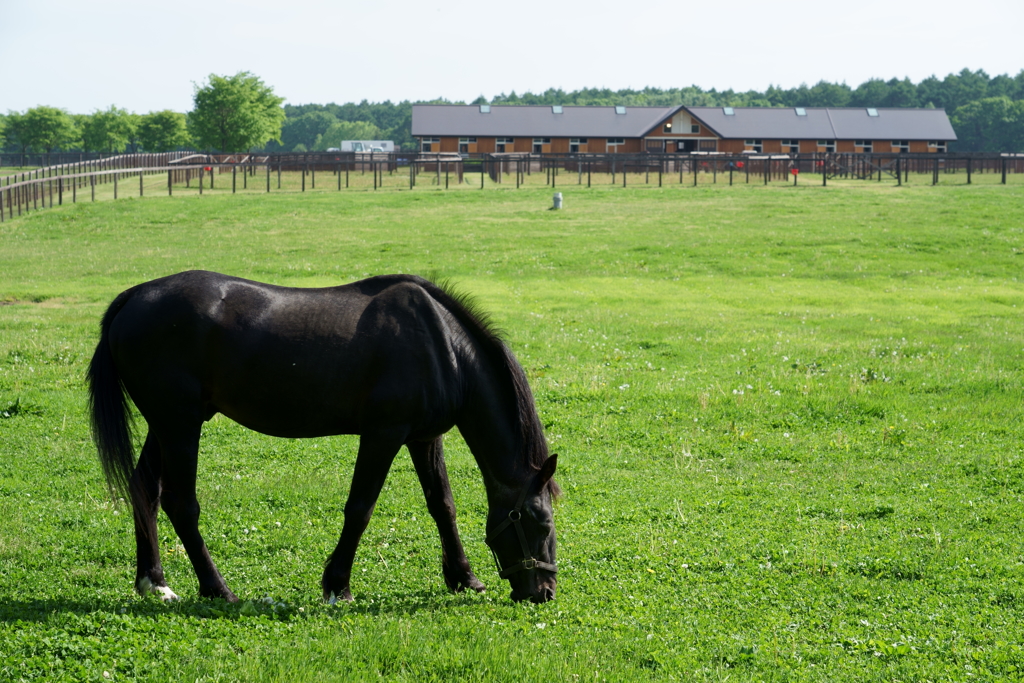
x=287 y=361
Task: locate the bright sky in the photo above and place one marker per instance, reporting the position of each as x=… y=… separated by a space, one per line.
x=84 y=55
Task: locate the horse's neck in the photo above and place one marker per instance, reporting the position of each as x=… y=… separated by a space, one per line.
x=490 y=426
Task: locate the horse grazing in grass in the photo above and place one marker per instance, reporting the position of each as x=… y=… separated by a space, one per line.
x=395 y=359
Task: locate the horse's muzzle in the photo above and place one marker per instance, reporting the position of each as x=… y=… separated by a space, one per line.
x=541 y=595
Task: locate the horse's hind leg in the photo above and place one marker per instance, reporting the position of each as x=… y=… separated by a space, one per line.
x=180 y=458
x=145 y=492
x=428 y=458
x=376 y=453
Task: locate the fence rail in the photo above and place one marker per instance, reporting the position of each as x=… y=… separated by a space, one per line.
x=37 y=189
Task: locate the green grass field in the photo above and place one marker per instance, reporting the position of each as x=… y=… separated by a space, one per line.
x=789 y=424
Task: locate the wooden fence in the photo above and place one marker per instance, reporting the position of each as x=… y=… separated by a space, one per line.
x=32 y=190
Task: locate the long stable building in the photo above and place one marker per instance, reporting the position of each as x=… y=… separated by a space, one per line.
x=486 y=129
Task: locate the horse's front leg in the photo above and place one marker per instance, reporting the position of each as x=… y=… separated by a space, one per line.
x=376 y=453
x=145 y=500
x=428 y=458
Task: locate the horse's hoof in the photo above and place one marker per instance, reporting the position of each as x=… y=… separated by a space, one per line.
x=333 y=598
x=459 y=585
x=145 y=587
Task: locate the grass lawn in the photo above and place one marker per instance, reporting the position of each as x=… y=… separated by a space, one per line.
x=789 y=424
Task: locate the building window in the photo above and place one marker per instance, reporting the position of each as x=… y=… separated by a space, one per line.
x=791 y=146
x=728 y=111
x=828 y=145
x=556 y=109
x=901 y=145
x=485 y=109
x=800 y=111
x=754 y=145
x=938 y=145
x=430 y=144
x=695 y=128
x=863 y=145
x=574 y=145
x=500 y=144
x=464 y=144
x=538 y=144
x=667 y=128
x=620 y=109
x=872 y=111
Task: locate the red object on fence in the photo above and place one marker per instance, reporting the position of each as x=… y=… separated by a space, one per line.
x=739 y=164
x=207 y=168
x=794 y=171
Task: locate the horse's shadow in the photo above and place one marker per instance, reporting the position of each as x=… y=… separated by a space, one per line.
x=406 y=604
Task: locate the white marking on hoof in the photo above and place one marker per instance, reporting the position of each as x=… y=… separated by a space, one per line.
x=147 y=587
x=333 y=600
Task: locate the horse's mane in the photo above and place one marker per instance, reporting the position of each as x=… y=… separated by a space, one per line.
x=480 y=324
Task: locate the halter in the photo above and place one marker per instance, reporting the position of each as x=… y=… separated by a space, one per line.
x=528 y=563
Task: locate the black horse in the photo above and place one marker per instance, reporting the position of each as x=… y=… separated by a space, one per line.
x=395 y=359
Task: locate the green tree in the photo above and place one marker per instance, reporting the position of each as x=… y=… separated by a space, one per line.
x=163 y=131
x=346 y=130
x=306 y=128
x=992 y=124
x=901 y=94
x=110 y=130
x=966 y=86
x=44 y=129
x=14 y=132
x=825 y=94
x=235 y=113
x=870 y=93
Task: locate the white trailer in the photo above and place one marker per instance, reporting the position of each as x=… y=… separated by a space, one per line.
x=367 y=146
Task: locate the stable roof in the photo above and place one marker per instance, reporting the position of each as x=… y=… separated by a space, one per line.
x=821 y=123
x=430 y=120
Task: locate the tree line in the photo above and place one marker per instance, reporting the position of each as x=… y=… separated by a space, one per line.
x=241 y=113
x=230 y=113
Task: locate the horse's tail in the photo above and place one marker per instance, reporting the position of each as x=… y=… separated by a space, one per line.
x=108 y=407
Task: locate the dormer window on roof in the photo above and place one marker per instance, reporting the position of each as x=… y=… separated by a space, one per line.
x=620 y=109
x=728 y=111
x=800 y=111
x=485 y=109
x=556 y=109
x=872 y=111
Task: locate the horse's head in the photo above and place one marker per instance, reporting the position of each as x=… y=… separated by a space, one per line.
x=522 y=538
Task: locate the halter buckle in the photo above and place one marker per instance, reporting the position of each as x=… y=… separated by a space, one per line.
x=529 y=563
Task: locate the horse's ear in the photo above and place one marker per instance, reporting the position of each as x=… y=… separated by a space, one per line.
x=547 y=470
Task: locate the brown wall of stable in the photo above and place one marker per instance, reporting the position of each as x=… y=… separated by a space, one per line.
x=631 y=146
x=730 y=146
